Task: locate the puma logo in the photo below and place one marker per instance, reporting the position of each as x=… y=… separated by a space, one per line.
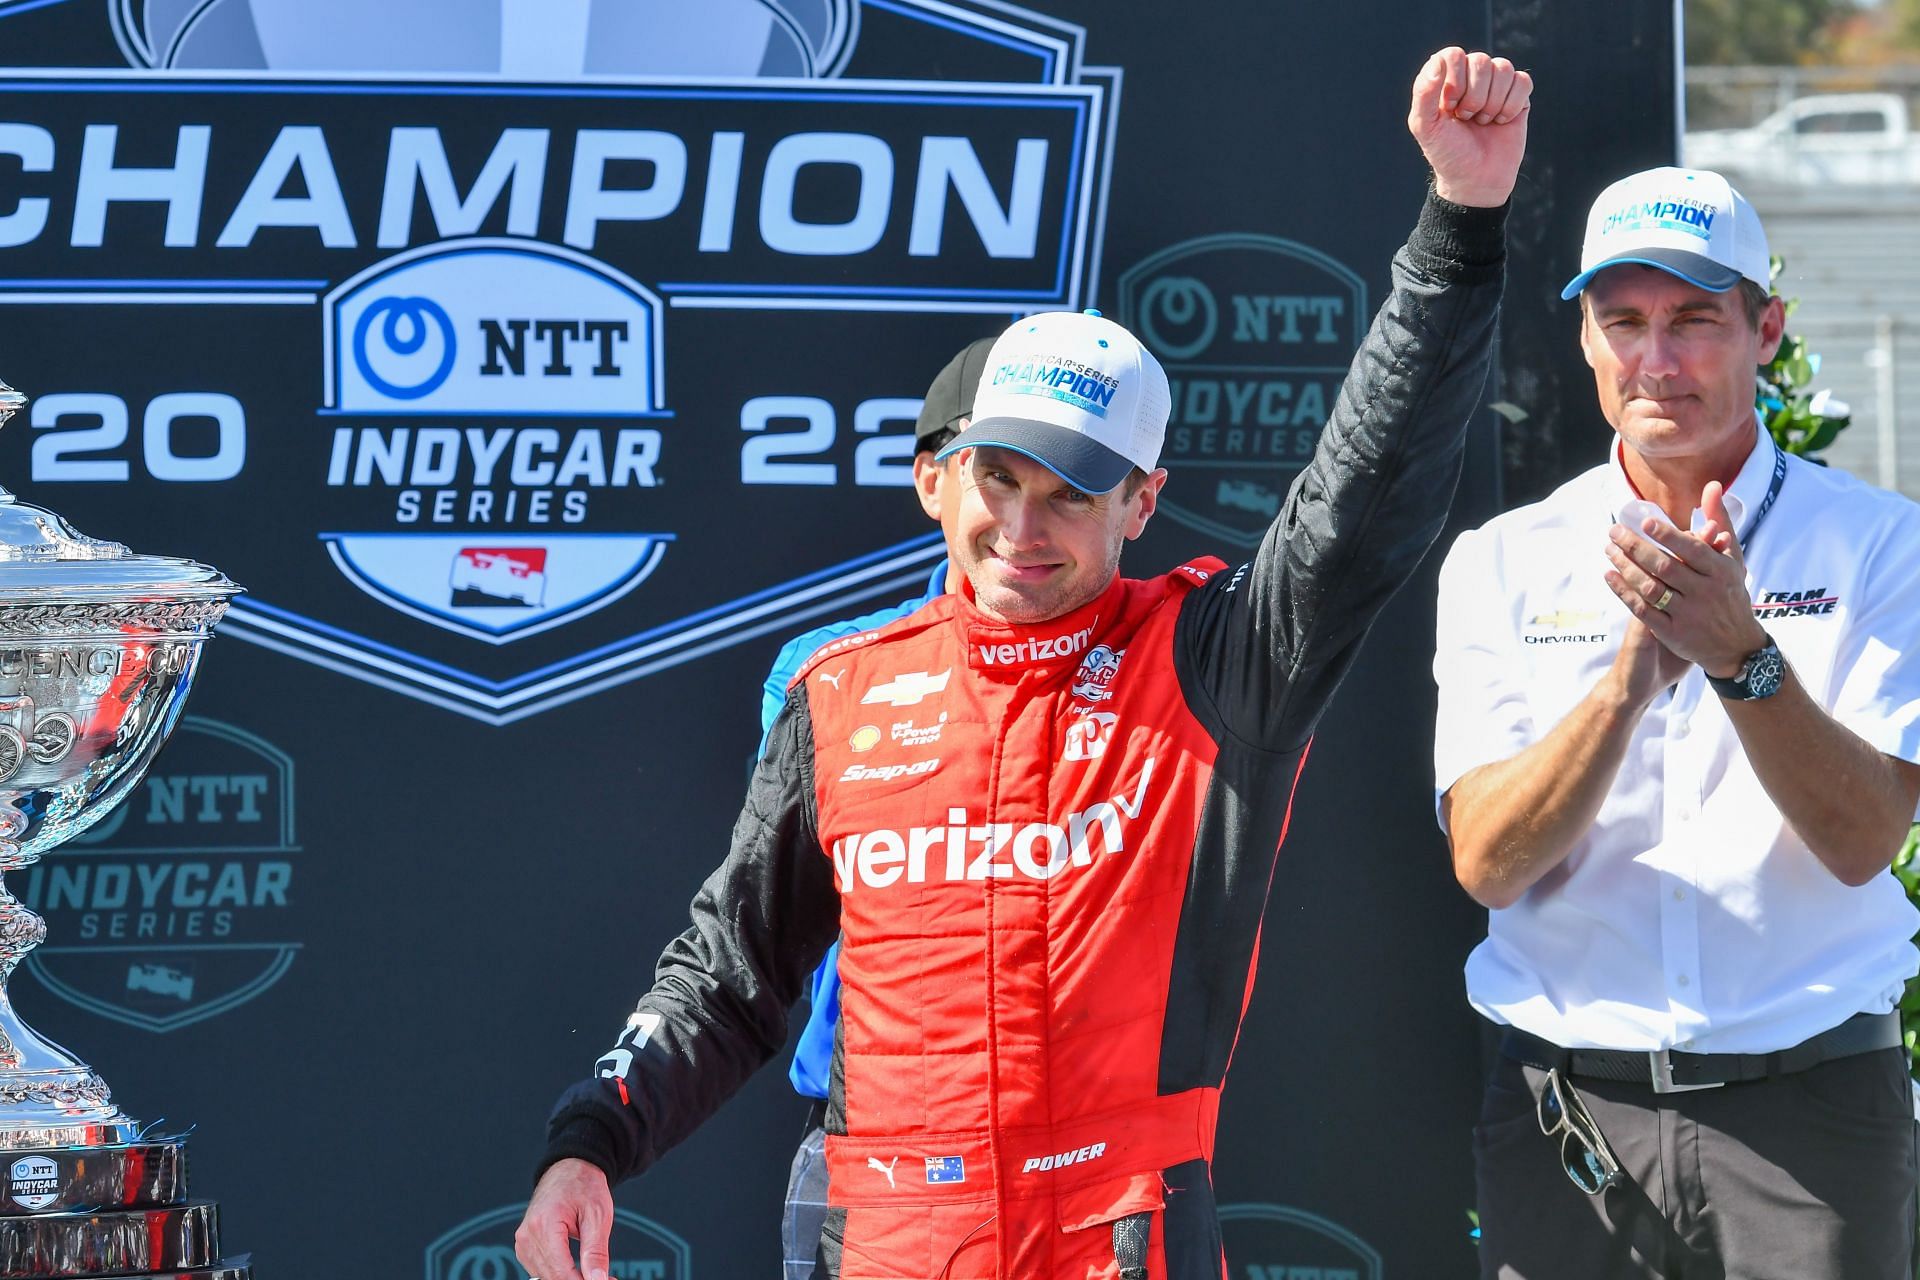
x=833 y=679
x=873 y=1162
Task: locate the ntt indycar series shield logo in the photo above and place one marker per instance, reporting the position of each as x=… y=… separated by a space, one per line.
x=494 y=330
x=177 y=907
x=481 y=1248
x=1255 y=333
x=1279 y=1242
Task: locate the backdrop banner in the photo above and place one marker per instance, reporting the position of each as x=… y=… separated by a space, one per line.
x=539 y=366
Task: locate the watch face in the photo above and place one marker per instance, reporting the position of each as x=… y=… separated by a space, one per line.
x=1765 y=672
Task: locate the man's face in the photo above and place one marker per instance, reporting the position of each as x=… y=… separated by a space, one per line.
x=1674 y=363
x=1033 y=546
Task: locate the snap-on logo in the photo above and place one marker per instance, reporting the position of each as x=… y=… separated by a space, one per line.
x=986 y=850
x=1014 y=653
x=1041 y=1164
x=888 y=772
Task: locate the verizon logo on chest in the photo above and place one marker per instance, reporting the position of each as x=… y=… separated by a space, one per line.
x=1016 y=653
x=962 y=849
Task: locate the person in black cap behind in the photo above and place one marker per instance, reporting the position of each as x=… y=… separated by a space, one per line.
x=943 y=415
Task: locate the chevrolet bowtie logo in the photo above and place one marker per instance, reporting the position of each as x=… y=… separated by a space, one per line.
x=1564 y=618
x=905 y=690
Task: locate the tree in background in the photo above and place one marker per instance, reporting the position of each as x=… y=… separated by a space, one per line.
x=1730 y=33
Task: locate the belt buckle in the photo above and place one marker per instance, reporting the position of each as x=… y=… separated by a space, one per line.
x=1660 y=1062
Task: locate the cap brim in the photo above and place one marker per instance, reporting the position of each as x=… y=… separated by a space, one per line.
x=1080 y=460
x=1694 y=268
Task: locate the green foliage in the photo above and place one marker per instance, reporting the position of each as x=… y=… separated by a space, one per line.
x=1802 y=420
x=1773 y=33
x=1906 y=869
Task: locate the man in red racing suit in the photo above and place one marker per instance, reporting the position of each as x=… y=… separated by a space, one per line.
x=1045 y=834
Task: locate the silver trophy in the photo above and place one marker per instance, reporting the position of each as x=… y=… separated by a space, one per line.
x=98 y=647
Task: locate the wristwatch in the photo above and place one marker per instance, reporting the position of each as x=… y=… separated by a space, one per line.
x=1759 y=676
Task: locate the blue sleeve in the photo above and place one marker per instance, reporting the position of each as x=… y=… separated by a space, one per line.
x=813 y=1056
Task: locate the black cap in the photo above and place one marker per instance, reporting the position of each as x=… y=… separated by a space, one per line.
x=950 y=398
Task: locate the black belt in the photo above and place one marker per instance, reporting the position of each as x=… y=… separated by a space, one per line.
x=1673 y=1070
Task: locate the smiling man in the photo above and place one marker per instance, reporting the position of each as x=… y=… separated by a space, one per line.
x=1043 y=811
x=1677 y=775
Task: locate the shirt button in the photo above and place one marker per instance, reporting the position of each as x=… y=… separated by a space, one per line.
x=1680 y=727
x=1679 y=895
x=1683 y=980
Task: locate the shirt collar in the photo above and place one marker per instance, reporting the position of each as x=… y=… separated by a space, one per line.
x=1746 y=493
x=1058 y=642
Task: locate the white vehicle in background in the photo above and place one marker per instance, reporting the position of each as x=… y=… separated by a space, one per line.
x=1828 y=139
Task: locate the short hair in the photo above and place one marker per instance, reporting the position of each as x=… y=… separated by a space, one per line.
x=1131 y=485
x=938 y=440
x=1753 y=300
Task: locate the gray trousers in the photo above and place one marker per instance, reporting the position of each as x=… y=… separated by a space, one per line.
x=1809 y=1176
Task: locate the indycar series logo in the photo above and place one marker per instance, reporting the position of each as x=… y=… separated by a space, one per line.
x=481 y=1248
x=175 y=908
x=1280 y=1242
x=1256 y=333
x=487 y=329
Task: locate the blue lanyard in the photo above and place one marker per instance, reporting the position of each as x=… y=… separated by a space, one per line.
x=1766 y=503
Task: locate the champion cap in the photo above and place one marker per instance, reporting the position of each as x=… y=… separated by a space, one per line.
x=950 y=398
x=1076 y=393
x=1689 y=222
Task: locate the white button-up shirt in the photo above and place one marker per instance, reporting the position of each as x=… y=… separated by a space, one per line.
x=1690 y=915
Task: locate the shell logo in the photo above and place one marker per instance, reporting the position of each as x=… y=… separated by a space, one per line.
x=865 y=738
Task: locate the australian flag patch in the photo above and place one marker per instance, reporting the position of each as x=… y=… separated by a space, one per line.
x=946 y=1169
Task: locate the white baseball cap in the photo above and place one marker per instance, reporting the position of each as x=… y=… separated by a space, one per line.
x=1076 y=393
x=1689 y=222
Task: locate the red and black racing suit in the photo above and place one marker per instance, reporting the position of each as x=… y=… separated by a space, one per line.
x=1047 y=849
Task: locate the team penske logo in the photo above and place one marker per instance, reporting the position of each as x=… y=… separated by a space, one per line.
x=908 y=689
x=965 y=850
x=1809 y=602
x=1015 y=653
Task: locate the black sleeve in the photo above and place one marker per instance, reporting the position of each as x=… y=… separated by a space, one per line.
x=718 y=1007
x=1261 y=650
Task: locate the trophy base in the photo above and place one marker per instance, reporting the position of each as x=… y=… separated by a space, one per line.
x=119 y=1242
x=82 y=1178
x=240 y=1268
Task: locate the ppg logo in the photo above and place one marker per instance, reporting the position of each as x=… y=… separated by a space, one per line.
x=423 y=332
x=404 y=347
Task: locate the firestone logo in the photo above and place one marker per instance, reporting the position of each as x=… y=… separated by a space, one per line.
x=987 y=850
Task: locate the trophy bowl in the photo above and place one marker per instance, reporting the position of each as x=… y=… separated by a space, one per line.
x=98 y=648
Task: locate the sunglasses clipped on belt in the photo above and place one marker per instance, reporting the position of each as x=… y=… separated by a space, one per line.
x=1585 y=1157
